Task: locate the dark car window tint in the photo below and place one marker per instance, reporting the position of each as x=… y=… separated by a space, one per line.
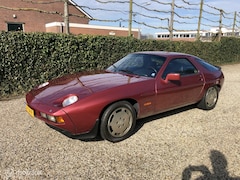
x=181 y=66
x=207 y=65
x=139 y=64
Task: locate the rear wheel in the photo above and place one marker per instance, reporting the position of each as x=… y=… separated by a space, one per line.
x=210 y=98
x=118 y=121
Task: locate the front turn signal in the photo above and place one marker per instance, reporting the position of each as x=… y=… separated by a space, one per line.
x=59 y=119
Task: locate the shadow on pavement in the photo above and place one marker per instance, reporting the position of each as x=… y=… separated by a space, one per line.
x=140 y=123
x=219 y=169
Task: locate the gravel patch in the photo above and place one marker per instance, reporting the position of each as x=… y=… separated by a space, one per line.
x=185 y=144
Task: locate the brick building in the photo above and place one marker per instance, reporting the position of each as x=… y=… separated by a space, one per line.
x=47 y=16
x=33 y=15
x=76 y=28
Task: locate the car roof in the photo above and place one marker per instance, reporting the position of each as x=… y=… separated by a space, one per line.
x=163 y=53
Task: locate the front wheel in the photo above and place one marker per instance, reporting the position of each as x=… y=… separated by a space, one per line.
x=210 y=98
x=118 y=121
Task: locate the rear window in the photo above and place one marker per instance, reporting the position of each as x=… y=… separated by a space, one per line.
x=207 y=65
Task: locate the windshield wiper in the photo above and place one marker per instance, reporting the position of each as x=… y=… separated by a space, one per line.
x=126 y=71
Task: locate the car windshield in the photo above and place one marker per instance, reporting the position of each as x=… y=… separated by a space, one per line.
x=138 y=64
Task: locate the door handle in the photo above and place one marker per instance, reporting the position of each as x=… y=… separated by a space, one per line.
x=200 y=77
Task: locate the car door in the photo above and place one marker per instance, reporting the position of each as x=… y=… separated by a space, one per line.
x=187 y=90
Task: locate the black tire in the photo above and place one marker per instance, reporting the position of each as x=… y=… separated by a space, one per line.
x=209 y=99
x=118 y=121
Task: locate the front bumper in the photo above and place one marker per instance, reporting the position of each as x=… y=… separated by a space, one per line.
x=49 y=115
x=67 y=128
x=83 y=136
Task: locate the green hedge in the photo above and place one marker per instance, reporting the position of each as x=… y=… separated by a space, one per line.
x=28 y=59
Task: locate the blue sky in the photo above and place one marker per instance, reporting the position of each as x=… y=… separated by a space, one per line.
x=150 y=15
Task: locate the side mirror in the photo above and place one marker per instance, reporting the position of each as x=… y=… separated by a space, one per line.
x=172 y=77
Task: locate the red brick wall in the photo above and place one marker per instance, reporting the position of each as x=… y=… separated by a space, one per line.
x=35 y=21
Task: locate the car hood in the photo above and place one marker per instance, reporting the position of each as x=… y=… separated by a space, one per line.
x=81 y=85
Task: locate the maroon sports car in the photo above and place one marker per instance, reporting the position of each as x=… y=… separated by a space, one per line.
x=139 y=85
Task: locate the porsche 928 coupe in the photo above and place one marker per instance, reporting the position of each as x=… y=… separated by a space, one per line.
x=139 y=85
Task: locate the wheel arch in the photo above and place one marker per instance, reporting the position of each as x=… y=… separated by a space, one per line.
x=133 y=102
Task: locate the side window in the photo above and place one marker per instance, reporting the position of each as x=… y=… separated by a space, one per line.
x=181 y=66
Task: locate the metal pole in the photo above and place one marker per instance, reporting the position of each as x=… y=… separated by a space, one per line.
x=66 y=16
x=130 y=18
x=171 y=21
x=199 y=20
